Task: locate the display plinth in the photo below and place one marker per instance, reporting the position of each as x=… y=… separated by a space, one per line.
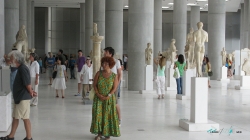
x=224 y=74
x=5 y=79
x=244 y=83
x=6 y=111
x=199 y=107
x=171 y=81
x=148 y=85
x=186 y=84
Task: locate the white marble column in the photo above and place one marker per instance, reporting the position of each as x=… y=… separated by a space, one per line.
x=180 y=24
x=2 y=38
x=99 y=18
x=242 y=26
x=29 y=23
x=157 y=27
x=88 y=26
x=246 y=24
x=11 y=18
x=194 y=17
x=48 y=30
x=216 y=34
x=82 y=28
x=23 y=13
x=32 y=25
x=114 y=25
x=140 y=32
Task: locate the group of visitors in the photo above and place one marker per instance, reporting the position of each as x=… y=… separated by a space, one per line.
x=229 y=67
x=180 y=63
x=106 y=116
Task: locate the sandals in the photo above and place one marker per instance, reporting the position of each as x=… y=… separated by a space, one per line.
x=62 y=96
x=6 y=138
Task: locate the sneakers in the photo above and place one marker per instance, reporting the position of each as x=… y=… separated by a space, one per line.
x=78 y=94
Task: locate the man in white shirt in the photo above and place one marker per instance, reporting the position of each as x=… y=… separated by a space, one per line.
x=125 y=60
x=86 y=77
x=109 y=52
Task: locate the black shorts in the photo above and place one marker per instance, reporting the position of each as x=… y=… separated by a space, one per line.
x=229 y=67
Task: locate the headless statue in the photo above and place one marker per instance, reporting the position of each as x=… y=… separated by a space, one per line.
x=148 y=54
x=224 y=56
x=189 y=49
x=173 y=51
x=200 y=37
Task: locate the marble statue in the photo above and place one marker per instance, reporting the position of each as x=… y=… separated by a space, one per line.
x=224 y=56
x=173 y=51
x=189 y=49
x=91 y=55
x=167 y=54
x=246 y=65
x=96 y=52
x=148 y=54
x=21 y=43
x=200 y=37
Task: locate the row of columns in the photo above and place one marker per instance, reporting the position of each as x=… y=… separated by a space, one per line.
x=245 y=24
x=14 y=14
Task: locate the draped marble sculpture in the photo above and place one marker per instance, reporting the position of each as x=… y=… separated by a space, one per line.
x=246 y=65
x=167 y=54
x=173 y=51
x=224 y=56
x=189 y=50
x=200 y=37
x=148 y=54
x=21 y=43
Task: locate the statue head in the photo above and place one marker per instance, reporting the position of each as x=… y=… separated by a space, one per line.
x=223 y=48
x=191 y=30
x=149 y=44
x=200 y=25
x=173 y=40
x=23 y=27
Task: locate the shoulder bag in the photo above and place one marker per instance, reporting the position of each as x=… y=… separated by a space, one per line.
x=54 y=73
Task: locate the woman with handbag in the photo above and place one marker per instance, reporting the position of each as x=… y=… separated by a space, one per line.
x=208 y=70
x=160 y=62
x=59 y=82
x=105 y=120
x=181 y=65
x=34 y=75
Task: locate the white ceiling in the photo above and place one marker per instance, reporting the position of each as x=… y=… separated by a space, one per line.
x=232 y=5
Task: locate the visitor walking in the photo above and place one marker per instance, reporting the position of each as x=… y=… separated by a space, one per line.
x=44 y=61
x=109 y=52
x=79 y=63
x=59 y=82
x=40 y=62
x=104 y=116
x=86 y=77
x=208 y=68
x=160 y=62
x=34 y=75
x=125 y=60
x=181 y=65
x=50 y=63
x=22 y=93
x=72 y=63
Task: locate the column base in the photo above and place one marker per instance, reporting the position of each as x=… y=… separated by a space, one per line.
x=241 y=88
x=191 y=126
x=147 y=91
x=171 y=88
x=182 y=97
x=224 y=80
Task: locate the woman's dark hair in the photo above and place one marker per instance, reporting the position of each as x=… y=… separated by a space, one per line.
x=34 y=55
x=109 y=60
x=181 y=58
x=110 y=50
x=207 y=60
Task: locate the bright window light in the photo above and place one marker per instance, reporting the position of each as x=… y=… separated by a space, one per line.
x=165 y=7
x=201 y=0
x=191 y=4
x=126 y=6
x=170 y=3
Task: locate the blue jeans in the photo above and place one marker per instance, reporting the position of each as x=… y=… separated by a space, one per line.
x=179 y=85
x=72 y=73
x=12 y=79
x=119 y=85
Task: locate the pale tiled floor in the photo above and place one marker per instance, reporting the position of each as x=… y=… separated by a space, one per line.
x=69 y=119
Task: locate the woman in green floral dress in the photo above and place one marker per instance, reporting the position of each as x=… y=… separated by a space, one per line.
x=105 y=120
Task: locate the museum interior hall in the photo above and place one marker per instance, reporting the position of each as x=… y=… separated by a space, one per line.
x=125 y=69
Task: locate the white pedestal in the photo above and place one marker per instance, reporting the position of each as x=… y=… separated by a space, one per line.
x=149 y=87
x=171 y=81
x=244 y=83
x=6 y=111
x=186 y=84
x=5 y=79
x=199 y=107
x=224 y=74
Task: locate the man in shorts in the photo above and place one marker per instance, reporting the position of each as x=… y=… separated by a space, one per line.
x=117 y=69
x=22 y=93
x=50 y=64
x=79 y=64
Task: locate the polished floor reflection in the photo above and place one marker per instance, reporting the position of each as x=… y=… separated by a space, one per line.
x=144 y=117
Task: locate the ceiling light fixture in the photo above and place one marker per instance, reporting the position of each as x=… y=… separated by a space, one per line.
x=201 y=0
x=191 y=4
x=165 y=7
x=126 y=6
x=170 y=3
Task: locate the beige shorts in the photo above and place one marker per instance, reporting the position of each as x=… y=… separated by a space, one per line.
x=78 y=77
x=22 y=110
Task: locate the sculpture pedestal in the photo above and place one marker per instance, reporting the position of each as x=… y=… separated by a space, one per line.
x=5 y=79
x=224 y=74
x=171 y=81
x=6 y=111
x=199 y=107
x=148 y=83
x=244 y=83
x=186 y=84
